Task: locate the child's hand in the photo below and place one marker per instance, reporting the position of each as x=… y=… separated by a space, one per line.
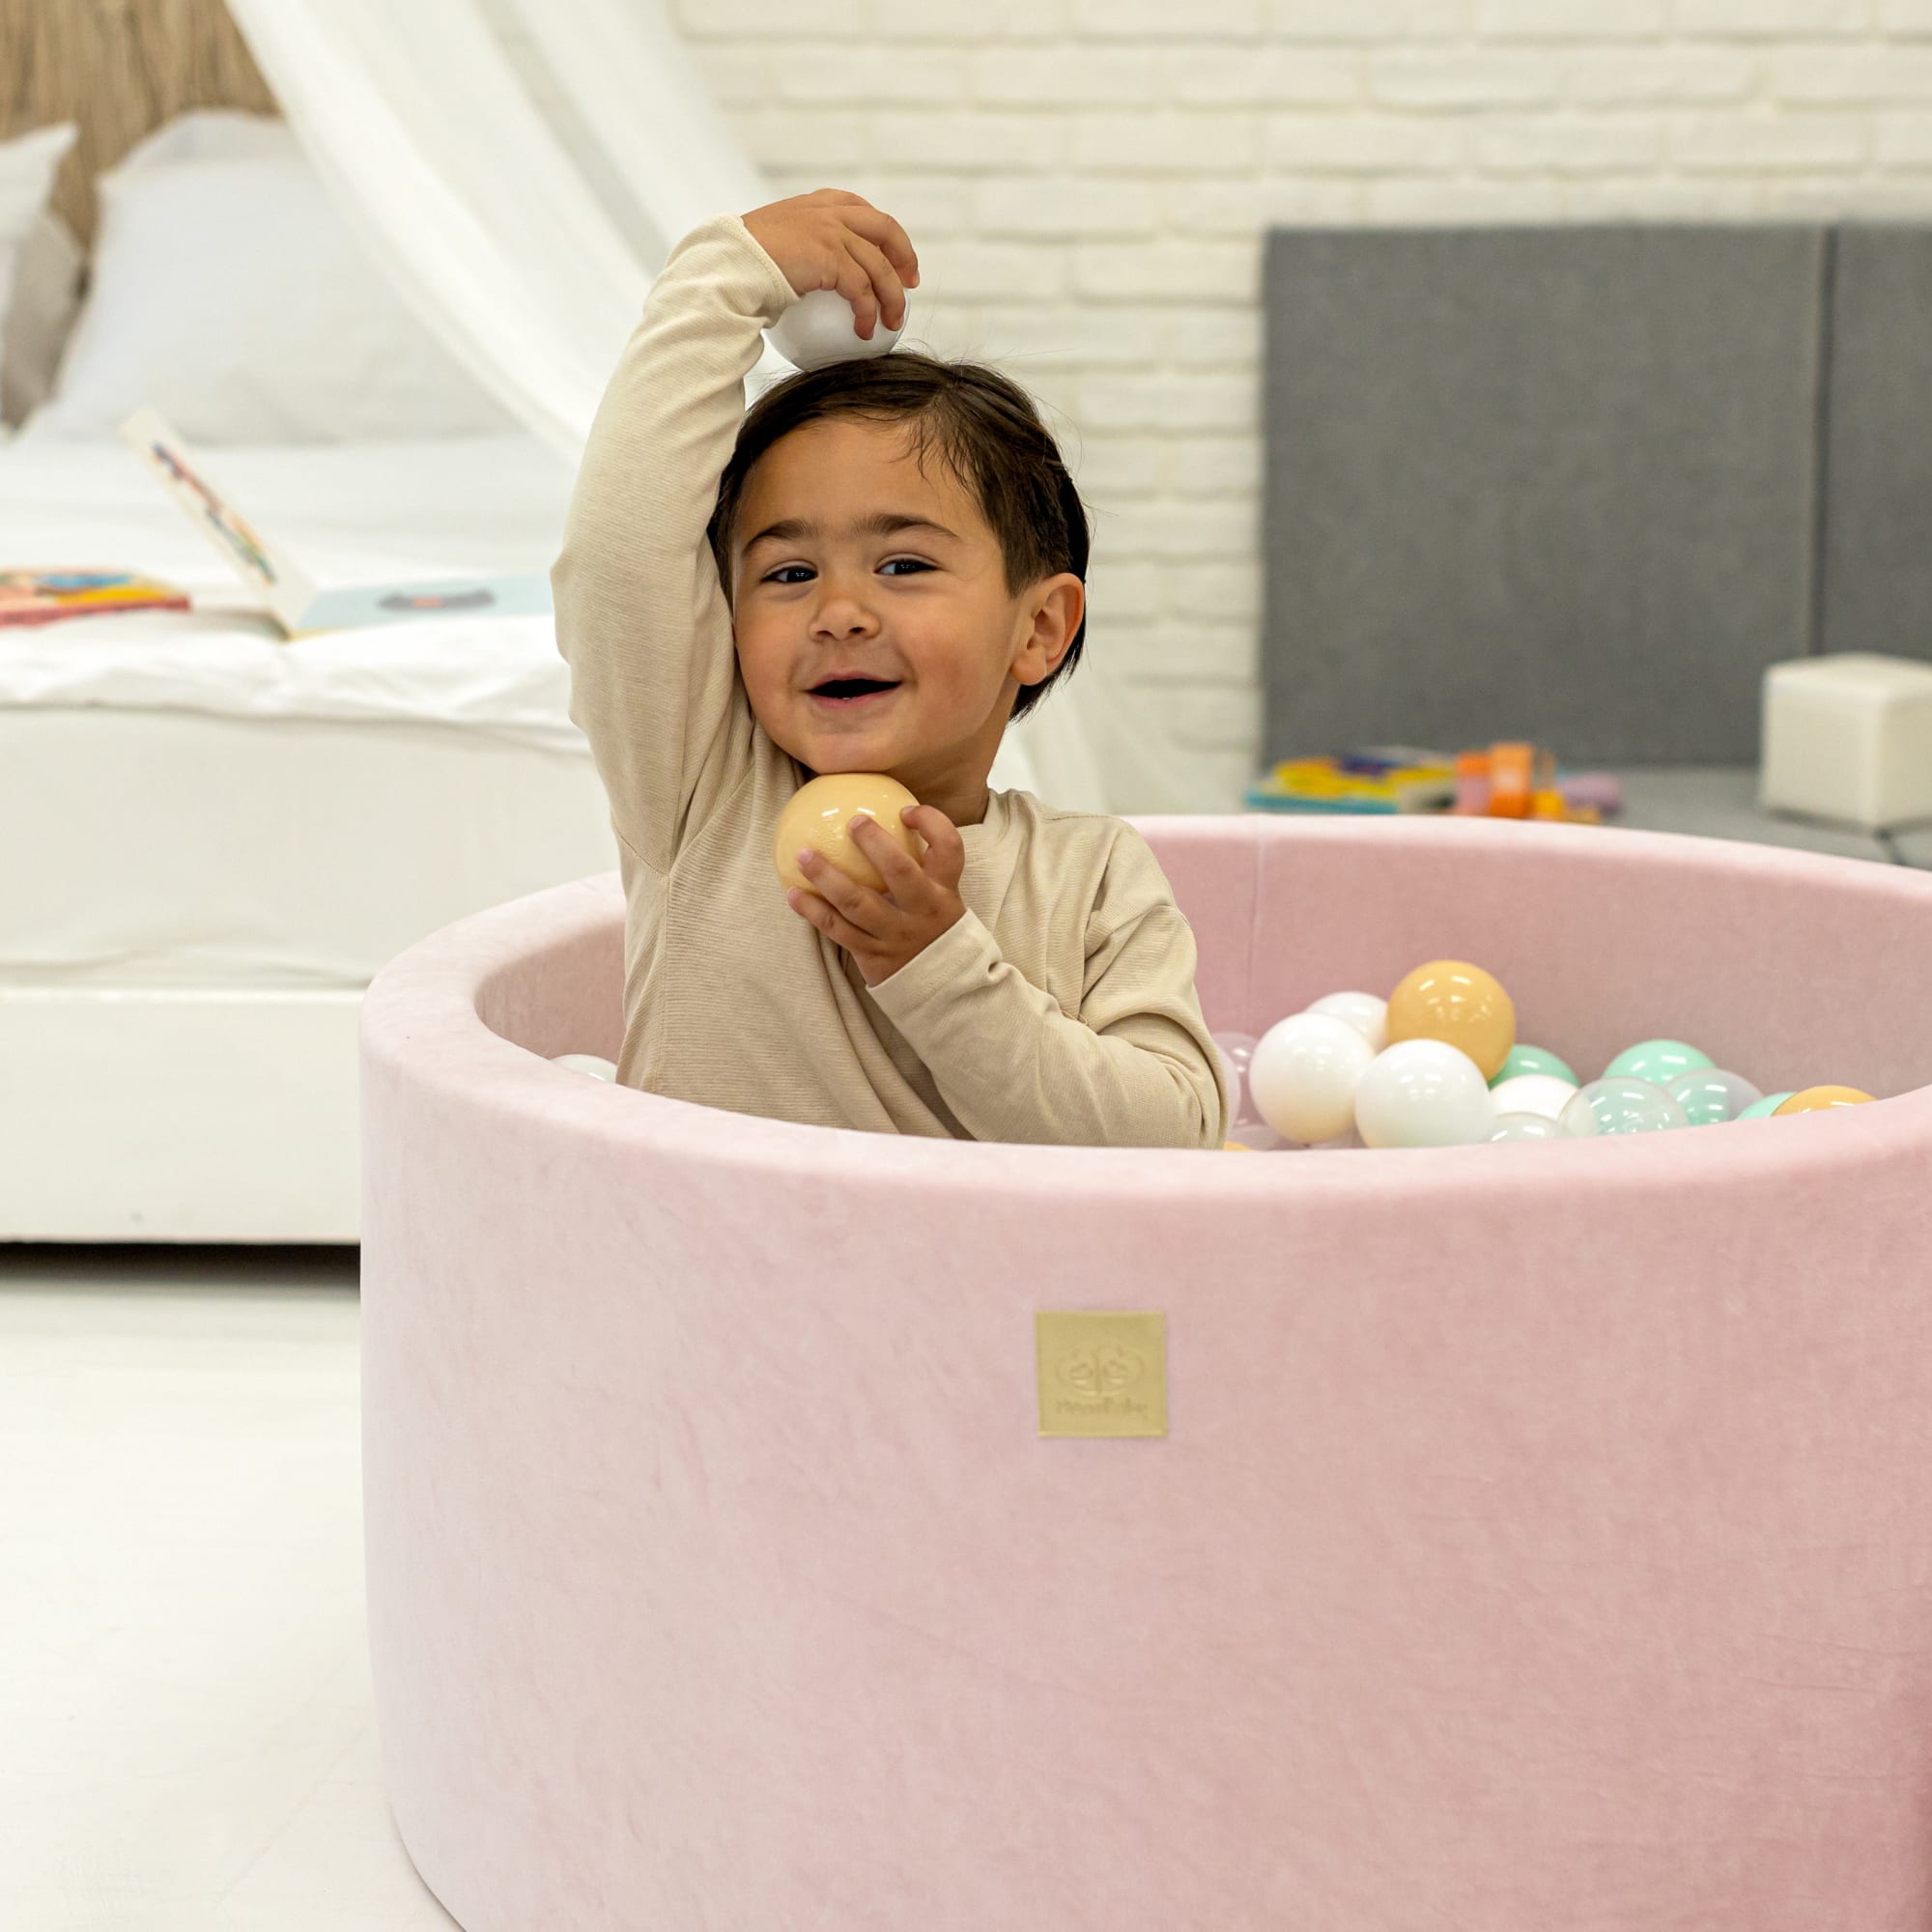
x=832 y=240
x=922 y=899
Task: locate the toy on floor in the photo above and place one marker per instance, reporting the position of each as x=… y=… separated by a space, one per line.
x=1511 y=779
x=1514 y=780
x=1439 y=1064
x=1390 y=778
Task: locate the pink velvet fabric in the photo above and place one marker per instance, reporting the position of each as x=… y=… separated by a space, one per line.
x=1544 y=1535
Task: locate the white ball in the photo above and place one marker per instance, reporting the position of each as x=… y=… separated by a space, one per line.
x=1423 y=1092
x=1545 y=1094
x=1525 y=1127
x=1367 y=1015
x=822 y=327
x=1303 y=1074
x=587 y=1063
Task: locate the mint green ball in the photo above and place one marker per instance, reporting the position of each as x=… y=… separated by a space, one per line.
x=1532 y=1059
x=1658 y=1060
x=1763 y=1110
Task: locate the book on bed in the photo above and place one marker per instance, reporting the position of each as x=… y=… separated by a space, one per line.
x=294 y=600
x=48 y=596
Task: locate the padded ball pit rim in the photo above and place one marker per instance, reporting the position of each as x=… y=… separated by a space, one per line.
x=440 y=987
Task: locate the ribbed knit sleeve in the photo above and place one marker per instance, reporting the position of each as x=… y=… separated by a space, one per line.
x=640 y=614
x=1135 y=1067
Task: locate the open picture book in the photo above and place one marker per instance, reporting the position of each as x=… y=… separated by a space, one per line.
x=294 y=600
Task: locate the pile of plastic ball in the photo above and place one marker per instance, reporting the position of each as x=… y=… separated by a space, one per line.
x=1438 y=1064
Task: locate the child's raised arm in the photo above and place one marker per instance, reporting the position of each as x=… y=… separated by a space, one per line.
x=640 y=614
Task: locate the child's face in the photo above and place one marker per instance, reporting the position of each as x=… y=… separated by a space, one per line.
x=926 y=608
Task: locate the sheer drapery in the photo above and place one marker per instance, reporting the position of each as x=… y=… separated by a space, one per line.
x=522 y=169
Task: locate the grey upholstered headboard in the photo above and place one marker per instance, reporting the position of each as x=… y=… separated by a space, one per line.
x=1582 y=485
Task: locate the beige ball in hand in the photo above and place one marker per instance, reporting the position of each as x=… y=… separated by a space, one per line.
x=819 y=815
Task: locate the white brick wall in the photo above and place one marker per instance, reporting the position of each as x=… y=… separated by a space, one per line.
x=1087 y=181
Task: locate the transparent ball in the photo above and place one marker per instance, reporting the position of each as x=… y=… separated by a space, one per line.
x=1423 y=1092
x=1525 y=1127
x=1237 y=1050
x=1709 y=1094
x=1303 y=1076
x=1622 y=1105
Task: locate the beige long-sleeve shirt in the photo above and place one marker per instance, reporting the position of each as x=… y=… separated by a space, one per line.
x=1060 y=1008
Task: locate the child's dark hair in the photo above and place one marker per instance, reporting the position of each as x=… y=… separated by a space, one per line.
x=986 y=429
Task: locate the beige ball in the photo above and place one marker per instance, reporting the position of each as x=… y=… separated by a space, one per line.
x=819 y=815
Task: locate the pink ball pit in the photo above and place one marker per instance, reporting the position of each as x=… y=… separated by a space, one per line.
x=1543 y=1536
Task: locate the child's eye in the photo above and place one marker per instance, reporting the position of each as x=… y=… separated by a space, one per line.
x=887 y=565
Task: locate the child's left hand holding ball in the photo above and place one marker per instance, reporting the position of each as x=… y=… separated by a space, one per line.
x=884 y=931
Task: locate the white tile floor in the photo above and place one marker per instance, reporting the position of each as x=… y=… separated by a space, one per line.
x=186 y=1734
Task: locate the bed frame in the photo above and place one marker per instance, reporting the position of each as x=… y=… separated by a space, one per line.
x=158 y=1099
x=179 y=1113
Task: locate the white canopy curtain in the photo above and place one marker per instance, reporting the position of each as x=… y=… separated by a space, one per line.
x=522 y=169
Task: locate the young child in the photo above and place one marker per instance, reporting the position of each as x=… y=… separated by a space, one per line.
x=908 y=523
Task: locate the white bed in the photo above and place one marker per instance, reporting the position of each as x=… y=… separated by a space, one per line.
x=214 y=839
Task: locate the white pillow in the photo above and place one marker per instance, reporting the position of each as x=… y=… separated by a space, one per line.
x=27 y=169
x=208 y=134
x=229 y=294
x=46 y=295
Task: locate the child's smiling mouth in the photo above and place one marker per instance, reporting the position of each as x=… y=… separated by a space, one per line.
x=851 y=695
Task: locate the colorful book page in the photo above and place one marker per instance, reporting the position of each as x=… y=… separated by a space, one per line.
x=48 y=596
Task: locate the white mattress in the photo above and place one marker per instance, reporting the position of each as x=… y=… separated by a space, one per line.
x=172 y=848
x=349 y=513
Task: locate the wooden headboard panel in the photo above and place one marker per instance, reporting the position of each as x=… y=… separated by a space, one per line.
x=118 y=68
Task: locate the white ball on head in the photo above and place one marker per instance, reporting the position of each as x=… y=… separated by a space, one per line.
x=820 y=328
